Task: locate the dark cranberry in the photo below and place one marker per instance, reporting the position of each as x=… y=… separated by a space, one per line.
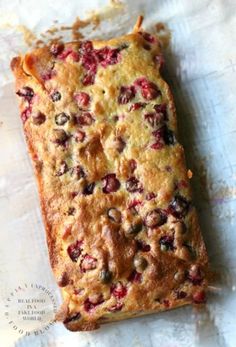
x=56 y=96
x=61 y=118
x=110 y=183
x=71 y=211
x=133 y=165
x=148 y=37
x=26 y=93
x=118 y=290
x=82 y=99
x=105 y=276
x=88 y=263
x=140 y=263
x=74 y=250
x=119 y=144
x=143 y=246
x=108 y=56
x=79 y=136
x=135 y=229
x=150 y=196
x=38 y=118
x=88 y=189
x=180 y=294
x=85 y=119
x=62 y=169
x=63 y=281
x=126 y=95
x=114 y=215
x=59 y=137
x=56 y=48
x=133 y=185
x=168 y=136
x=155 y=218
x=195 y=275
x=179 y=206
x=199 y=297
x=116 y=307
x=92 y=302
x=137 y=106
x=135 y=277
x=73 y=318
x=78 y=172
x=166 y=303
x=167 y=243
x=73 y=194
x=26 y=114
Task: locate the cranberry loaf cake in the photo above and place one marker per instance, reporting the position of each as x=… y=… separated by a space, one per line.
x=122 y=232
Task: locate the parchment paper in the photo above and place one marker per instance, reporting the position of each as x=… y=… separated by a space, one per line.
x=201 y=69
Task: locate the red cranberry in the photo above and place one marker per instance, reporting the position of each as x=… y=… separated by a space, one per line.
x=137 y=106
x=116 y=307
x=79 y=136
x=199 y=297
x=74 y=250
x=135 y=277
x=133 y=185
x=48 y=75
x=110 y=183
x=148 y=37
x=86 y=47
x=195 y=275
x=166 y=303
x=133 y=205
x=56 y=96
x=73 y=318
x=163 y=136
x=26 y=114
x=149 y=90
x=38 y=118
x=179 y=206
x=88 y=189
x=56 y=48
x=159 y=60
x=88 y=263
x=143 y=246
x=69 y=52
x=126 y=95
x=155 y=218
x=82 y=99
x=88 y=79
x=64 y=280
x=118 y=290
x=154 y=119
x=26 y=93
x=133 y=165
x=108 y=56
x=85 y=119
x=167 y=243
x=91 y=303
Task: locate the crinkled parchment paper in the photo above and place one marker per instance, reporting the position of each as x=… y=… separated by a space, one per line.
x=201 y=69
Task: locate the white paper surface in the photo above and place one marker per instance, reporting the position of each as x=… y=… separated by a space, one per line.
x=201 y=69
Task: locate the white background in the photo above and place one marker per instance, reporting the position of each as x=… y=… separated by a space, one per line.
x=201 y=69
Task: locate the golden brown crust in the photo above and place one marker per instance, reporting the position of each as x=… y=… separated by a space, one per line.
x=122 y=233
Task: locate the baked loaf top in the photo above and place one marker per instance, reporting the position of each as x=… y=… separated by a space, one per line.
x=122 y=232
